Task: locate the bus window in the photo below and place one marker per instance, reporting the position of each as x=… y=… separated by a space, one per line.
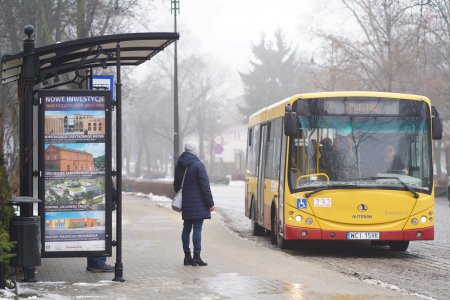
x=255 y=149
x=299 y=163
x=277 y=137
x=249 y=166
x=269 y=152
x=273 y=150
x=352 y=148
x=252 y=150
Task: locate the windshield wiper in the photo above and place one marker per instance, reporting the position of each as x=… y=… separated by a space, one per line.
x=329 y=187
x=416 y=195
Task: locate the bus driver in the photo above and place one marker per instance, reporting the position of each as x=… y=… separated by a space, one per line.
x=392 y=163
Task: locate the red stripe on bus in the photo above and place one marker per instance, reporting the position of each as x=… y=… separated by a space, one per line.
x=303 y=233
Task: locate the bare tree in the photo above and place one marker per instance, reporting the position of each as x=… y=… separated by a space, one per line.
x=436 y=19
x=204 y=100
x=54 y=20
x=403 y=46
x=148 y=120
x=201 y=98
x=99 y=17
x=386 y=50
x=331 y=70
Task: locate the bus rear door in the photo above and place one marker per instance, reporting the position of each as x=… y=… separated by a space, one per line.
x=261 y=185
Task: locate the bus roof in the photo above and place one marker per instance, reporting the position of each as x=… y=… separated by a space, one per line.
x=278 y=109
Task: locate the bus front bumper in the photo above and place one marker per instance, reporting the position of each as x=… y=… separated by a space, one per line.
x=303 y=233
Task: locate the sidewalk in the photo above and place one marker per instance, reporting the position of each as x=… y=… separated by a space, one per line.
x=153 y=267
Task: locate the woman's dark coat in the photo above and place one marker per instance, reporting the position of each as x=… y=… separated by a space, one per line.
x=197 y=197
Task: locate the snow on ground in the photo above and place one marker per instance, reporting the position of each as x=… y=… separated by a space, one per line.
x=35 y=290
x=229 y=203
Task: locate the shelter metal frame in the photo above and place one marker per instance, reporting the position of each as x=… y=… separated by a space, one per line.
x=33 y=66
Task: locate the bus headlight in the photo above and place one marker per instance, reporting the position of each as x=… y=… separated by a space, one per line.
x=423 y=219
x=298 y=218
x=309 y=221
x=414 y=221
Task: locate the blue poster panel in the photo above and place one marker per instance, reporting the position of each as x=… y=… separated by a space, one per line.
x=75 y=165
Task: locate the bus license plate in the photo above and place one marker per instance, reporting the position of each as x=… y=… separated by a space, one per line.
x=363 y=235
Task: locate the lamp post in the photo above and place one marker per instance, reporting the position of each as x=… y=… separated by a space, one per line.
x=175 y=8
x=26 y=130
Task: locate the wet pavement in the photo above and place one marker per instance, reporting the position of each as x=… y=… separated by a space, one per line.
x=239 y=268
x=423 y=270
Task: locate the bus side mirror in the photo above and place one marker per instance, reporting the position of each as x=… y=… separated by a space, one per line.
x=436 y=124
x=290 y=124
x=437 y=128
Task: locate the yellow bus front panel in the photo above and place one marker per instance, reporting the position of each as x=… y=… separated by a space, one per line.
x=334 y=214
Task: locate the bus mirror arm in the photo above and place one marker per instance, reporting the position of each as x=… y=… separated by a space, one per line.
x=436 y=124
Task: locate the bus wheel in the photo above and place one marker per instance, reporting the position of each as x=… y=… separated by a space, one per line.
x=399 y=245
x=257 y=229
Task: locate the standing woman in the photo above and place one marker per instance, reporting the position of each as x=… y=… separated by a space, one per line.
x=197 y=200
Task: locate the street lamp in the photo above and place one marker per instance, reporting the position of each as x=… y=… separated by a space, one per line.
x=175 y=8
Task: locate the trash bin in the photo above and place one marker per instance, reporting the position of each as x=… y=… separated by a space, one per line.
x=25 y=229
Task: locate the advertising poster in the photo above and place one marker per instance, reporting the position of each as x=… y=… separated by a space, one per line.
x=74 y=160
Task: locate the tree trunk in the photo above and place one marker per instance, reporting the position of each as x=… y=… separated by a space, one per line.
x=43 y=18
x=148 y=159
x=81 y=19
x=137 y=165
x=126 y=153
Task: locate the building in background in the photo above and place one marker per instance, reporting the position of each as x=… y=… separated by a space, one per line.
x=227 y=146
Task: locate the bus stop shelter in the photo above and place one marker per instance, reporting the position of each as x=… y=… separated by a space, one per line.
x=75 y=61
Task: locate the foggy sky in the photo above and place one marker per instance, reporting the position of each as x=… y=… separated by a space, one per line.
x=225 y=29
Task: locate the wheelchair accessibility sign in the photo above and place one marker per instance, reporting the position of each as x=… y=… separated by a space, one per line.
x=301 y=203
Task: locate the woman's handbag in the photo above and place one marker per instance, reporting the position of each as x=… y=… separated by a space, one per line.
x=178 y=199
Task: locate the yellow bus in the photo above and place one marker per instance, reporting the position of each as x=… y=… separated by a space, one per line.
x=343 y=166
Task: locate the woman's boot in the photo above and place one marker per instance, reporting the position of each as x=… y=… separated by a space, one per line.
x=197 y=261
x=187 y=259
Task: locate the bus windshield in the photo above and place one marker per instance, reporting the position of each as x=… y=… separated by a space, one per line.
x=365 y=143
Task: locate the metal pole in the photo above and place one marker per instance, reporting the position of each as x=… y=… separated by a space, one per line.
x=176 y=130
x=91 y=79
x=118 y=268
x=26 y=130
x=26 y=115
x=2 y=276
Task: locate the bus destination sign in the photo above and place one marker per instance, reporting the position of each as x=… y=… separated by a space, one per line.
x=361 y=107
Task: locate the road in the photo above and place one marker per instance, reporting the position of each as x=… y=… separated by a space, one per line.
x=424 y=269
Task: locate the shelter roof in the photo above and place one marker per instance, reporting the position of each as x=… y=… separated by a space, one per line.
x=60 y=58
